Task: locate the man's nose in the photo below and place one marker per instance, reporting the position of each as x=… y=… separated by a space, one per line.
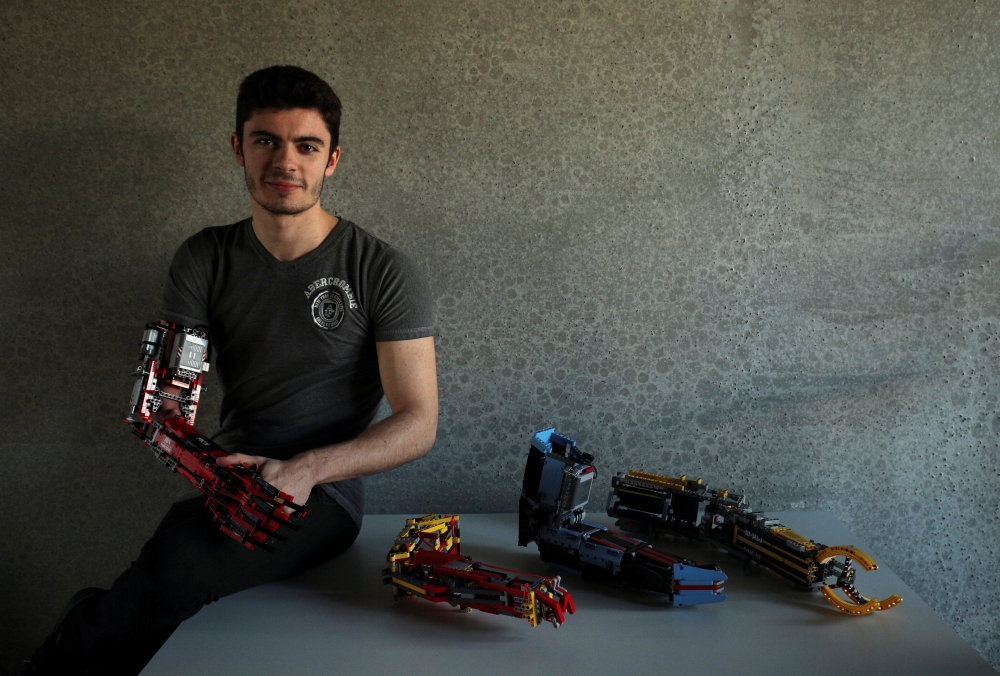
x=284 y=158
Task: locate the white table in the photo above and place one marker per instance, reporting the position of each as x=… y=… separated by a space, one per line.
x=341 y=619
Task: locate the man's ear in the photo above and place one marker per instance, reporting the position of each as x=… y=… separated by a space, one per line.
x=331 y=164
x=234 y=141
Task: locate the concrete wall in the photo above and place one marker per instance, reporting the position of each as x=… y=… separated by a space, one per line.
x=752 y=241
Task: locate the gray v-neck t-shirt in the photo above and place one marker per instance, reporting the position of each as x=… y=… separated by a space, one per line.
x=294 y=341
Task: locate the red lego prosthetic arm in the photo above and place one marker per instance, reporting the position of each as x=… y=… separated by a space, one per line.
x=425 y=562
x=174 y=361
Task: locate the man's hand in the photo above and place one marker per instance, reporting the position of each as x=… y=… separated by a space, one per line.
x=285 y=475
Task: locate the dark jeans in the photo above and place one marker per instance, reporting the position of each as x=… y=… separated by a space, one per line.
x=188 y=563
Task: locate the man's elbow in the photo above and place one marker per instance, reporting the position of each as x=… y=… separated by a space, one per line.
x=423 y=430
x=428 y=434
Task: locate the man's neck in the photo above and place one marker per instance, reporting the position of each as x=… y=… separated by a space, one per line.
x=291 y=236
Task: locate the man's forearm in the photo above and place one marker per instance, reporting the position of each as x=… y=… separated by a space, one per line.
x=400 y=438
x=409 y=379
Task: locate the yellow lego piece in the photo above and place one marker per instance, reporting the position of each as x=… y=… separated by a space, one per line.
x=529 y=610
x=401 y=583
x=788 y=534
x=768 y=552
x=658 y=480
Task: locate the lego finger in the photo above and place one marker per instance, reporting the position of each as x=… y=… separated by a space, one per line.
x=236 y=459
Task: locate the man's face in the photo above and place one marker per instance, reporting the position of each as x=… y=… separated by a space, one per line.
x=285 y=155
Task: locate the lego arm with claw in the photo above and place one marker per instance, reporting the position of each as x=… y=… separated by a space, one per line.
x=645 y=502
x=168 y=381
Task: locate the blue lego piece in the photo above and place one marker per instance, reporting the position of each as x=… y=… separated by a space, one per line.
x=695 y=585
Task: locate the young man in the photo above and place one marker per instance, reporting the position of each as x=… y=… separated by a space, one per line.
x=312 y=320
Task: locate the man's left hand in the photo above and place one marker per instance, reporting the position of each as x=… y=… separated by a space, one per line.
x=285 y=475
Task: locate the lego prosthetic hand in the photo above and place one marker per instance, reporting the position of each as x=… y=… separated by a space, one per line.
x=168 y=381
x=425 y=562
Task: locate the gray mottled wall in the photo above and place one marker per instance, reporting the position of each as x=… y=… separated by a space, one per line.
x=752 y=241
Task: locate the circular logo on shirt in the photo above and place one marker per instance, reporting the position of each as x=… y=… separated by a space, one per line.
x=328 y=310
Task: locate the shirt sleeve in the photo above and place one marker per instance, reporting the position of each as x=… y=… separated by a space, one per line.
x=404 y=307
x=187 y=291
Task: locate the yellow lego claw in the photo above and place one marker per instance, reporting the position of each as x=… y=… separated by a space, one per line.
x=893 y=600
x=865 y=561
x=846 y=606
x=855 y=604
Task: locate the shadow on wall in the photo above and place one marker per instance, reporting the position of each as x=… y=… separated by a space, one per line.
x=85 y=252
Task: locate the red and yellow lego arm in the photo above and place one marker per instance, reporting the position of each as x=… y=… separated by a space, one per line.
x=425 y=562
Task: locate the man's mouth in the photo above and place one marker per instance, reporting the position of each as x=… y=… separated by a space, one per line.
x=283 y=186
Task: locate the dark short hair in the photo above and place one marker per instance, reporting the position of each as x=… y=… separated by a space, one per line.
x=284 y=88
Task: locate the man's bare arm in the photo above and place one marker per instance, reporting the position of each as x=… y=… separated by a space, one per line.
x=409 y=379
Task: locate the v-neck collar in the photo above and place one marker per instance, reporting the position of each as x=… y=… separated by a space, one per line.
x=268 y=259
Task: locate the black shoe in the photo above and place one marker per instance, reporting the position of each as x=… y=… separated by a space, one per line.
x=54 y=656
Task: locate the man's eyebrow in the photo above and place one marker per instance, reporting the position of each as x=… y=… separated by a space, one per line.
x=315 y=140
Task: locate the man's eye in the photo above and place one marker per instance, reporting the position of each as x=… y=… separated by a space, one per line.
x=263 y=141
x=309 y=148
